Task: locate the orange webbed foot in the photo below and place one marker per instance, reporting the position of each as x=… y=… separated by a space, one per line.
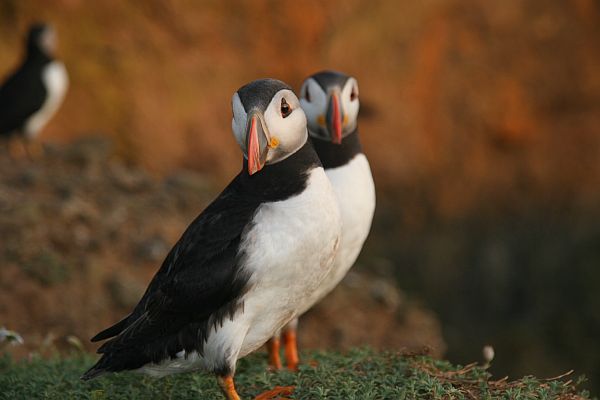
x=228 y=388
x=276 y=393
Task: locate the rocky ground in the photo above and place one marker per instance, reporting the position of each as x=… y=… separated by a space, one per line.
x=81 y=234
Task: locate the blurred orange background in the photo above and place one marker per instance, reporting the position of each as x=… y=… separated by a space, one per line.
x=481 y=121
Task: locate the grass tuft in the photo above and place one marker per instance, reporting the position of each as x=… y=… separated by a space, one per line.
x=359 y=374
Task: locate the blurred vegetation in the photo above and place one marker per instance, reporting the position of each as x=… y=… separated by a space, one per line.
x=360 y=374
x=46 y=268
x=83 y=233
x=481 y=121
x=525 y=283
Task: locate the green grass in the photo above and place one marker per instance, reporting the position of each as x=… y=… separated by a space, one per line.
x=359 y=374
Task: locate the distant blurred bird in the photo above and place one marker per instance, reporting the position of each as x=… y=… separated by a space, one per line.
x=243 y=268
x=11 y=337
x=32 y=94
x=330 y=101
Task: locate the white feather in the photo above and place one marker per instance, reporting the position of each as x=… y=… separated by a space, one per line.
x=355 y=191
x=56 y=82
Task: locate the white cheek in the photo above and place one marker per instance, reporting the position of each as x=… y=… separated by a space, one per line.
x=317 y=106
x=298 y=123
x=290 y=131
x=238 y=122
x=237 y=133
x=350 y=107
x=280 y=127
x=312 y=112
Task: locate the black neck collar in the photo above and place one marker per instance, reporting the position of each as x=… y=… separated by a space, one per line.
x=37 y=56
x=281 y=180
x=335 y=155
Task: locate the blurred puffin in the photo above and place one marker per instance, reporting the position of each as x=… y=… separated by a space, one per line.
x=330 y=101
x=32 y=94
x=243 y=268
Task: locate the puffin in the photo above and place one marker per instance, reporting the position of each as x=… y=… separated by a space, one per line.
x=330 y=101
x=32 y=94
x=242 y=269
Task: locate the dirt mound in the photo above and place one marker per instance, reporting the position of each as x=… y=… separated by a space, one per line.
x=82 y=234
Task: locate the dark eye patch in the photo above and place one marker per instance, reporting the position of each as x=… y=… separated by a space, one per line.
x=285 y=108
x=353 y=94
x=306 y=94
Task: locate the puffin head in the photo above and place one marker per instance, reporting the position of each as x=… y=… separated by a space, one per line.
x=268 y=122
x=42 y=38
x=330 y=101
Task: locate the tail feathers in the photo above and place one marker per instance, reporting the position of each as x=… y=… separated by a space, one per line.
x=112 y=331
x=107 y=363
x=92 y=373
x=101 y=367
x=116 y=362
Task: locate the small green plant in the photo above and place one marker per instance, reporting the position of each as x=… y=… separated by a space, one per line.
x=359 y=374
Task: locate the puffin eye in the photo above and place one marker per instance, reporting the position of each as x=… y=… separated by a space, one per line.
x=285 y=108
x=306 y=94
x=353 y=94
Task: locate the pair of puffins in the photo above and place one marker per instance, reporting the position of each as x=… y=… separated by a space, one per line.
x=280 y=237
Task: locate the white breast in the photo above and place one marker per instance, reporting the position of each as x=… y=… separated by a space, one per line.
x=290 y=249
x=296 y=241
x=56 y=82
x=355 y=192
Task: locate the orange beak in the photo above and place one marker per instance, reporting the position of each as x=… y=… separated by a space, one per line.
x=256 y=144
x=334 y=119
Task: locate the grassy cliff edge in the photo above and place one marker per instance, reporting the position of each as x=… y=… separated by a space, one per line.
x=359 y=374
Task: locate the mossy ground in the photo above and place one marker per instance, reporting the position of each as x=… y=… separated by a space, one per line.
x=359 y=374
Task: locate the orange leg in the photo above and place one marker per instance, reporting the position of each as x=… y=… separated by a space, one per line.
x=273 y=348
x=228 y=388
x=276 y=393
x=291 y=349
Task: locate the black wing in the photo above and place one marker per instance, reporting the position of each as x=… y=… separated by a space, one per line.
x=197 y=285
x=21 y=95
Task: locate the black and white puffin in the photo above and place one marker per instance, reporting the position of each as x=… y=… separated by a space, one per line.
x=245 y=265
x=330 y=101
x=33 y=93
